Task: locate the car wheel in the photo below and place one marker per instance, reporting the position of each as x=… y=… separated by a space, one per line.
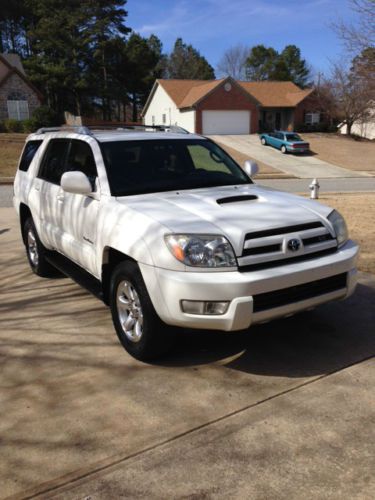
x=263 y=141
x=283 y=150
x=139 y=329
x=36 y=253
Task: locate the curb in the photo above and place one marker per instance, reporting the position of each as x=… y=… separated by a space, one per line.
x=6 y=180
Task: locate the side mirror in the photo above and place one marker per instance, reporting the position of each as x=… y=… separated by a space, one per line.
x=251 y=168
x=76 y=182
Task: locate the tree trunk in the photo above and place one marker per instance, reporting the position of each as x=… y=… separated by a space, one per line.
x=134 y=103
x=349 y=128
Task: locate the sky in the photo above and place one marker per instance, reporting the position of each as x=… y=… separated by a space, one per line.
x=213 y=26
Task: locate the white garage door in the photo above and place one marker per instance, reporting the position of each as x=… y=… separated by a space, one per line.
x=226 y=122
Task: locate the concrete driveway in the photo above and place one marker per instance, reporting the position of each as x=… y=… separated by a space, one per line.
x=302 y=166
x=282 y=411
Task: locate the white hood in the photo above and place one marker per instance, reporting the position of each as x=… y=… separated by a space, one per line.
x=197 y=211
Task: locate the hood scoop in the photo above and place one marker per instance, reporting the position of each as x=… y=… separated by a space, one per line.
x=236 y=199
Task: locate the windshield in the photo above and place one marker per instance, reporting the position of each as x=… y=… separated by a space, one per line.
x=147 y=166
x=293 y=137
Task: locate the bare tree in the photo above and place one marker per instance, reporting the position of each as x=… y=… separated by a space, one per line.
x=346 y=97
x=361 y=35
x=233 y=62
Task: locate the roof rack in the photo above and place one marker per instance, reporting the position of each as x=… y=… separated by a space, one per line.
x=78 y=129
x=84 y=130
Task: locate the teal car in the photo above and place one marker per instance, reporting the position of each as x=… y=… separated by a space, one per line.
x=287 y=142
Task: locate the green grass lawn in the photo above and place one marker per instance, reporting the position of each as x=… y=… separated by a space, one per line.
x=10 y=149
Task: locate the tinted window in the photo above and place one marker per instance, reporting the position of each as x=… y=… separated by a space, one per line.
x=81 y=158
x=28 y=154
x=293 y=137
x=54 y=160
x=135 y=167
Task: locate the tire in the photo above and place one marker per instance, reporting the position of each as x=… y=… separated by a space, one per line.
x=35 y=251
x=263 y=141
x=139 y=329
x=283 y=150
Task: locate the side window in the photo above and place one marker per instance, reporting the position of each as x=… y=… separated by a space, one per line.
x=81 y=158
x=54 y=161
x=28 y=154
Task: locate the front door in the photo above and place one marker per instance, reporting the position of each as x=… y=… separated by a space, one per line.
x=80 y=212
x=278 y=120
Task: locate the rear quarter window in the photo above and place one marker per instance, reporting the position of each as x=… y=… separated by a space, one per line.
x=28 y=154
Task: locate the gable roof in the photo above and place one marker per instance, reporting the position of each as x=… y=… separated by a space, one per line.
x=276 y=94
x=187 y=93
x=14 y=61
x=18 y=70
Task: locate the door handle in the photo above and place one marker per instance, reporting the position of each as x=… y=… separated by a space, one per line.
x=60 y=198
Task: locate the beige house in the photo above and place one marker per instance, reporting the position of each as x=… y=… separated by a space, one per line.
x=18 y=97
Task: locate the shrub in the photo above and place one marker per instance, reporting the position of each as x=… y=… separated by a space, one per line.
x=29 y=125
x=12 y=125
x=2 y=127
x=44 y=117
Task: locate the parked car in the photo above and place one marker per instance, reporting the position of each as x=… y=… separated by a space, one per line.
x=285 y=141
x=169 y=231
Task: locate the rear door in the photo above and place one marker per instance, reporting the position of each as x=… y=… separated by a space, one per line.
x=50 y=192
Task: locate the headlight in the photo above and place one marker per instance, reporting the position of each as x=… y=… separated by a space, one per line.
x=201 y=250
x=339 y=225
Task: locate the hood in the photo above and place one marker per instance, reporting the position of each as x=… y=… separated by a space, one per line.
x=231 y=211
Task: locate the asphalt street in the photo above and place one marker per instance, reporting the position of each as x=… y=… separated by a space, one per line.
x=345 y=185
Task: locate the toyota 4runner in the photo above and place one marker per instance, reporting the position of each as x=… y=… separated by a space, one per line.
x=169 y=231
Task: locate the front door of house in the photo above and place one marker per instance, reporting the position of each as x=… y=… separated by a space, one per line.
x=278 y=120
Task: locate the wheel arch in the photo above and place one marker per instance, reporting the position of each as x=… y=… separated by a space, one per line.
x=110 y=259
x=24 y=214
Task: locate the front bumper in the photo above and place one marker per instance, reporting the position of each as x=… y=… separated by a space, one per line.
x=167 y=288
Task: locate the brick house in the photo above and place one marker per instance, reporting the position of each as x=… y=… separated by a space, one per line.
x=18 y=97
x=228 y=106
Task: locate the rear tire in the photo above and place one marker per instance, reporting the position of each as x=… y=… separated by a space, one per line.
x=263 y=141
x=36 y=252
x=139 y=329
x=283 y=150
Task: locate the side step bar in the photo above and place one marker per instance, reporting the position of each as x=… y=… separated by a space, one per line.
x=76 y=273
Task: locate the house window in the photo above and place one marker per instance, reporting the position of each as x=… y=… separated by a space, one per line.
x=312 y=118
x=164 y=119
x=18 y=109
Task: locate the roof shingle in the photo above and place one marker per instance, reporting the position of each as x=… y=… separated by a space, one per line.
x=186 y=93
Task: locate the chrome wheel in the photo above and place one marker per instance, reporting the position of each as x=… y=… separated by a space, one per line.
x=32 y=248
x=129 y=311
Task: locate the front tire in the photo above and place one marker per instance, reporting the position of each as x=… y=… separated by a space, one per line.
x=283 y=150
x=35 y=251
x=139 y=329
x=263 y=141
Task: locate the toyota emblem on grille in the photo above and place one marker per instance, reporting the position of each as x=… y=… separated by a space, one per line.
x=294 y=244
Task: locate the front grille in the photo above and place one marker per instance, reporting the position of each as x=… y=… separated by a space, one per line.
x=283 y=230
x=270 y=247
x=285 y=261
x=277 y=298
x=260 y=250
x=317 y=239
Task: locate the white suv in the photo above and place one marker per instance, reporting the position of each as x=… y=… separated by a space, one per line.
x=169 y=231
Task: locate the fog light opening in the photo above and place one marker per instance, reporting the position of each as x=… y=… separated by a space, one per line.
x=204 y=307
